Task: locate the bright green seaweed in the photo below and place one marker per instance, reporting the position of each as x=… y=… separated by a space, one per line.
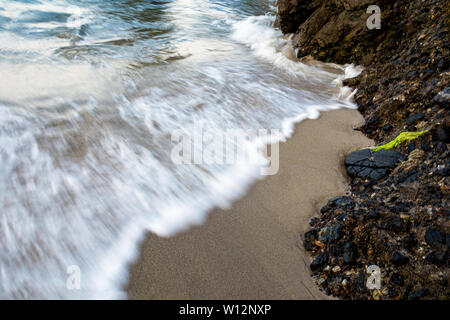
x=402 y=137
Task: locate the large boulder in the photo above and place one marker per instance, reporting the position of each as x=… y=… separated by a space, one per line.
x=372 y=165
x=292 y=13
x=332 y=29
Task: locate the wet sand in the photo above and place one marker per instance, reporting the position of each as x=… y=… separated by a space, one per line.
x=253 y=250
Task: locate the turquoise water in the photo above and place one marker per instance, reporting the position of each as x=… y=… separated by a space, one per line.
x=90 y=93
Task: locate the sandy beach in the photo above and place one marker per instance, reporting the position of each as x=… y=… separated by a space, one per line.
x=253 y=250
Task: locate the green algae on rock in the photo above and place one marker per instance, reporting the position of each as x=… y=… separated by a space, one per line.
x=401 y=138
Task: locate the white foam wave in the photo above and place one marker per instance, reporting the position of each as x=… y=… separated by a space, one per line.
x=269 y=44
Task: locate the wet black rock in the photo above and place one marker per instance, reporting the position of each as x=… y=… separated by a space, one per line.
x=367 y=173
x=372 y=165
x=418 y=294
x=445 y=172
x=437 y=257
x=411 y=147
x=387 y=158
x=397 y=279
x=410 y=241
x=342 y=217
x=373 y=214
x=335 y=250
x=393 y=293
x=415 y=118
x=324 y=209
x=393 y=223
x=330 y=234
x=371 y=124
x=314 y=221
x=309 y=239
x=350 y=252
x=441 y=147
x=388 y=127
x=360 y=283
x=319 y=262
x=344 y=202
x=435 y=237
x=426 y=147
x=442 y=135
x=399 y=206
x=292 y=13
x=399 y=259
x=443 y=97
x=358 y=157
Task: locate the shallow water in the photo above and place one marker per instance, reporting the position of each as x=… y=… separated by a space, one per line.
x=90 y=93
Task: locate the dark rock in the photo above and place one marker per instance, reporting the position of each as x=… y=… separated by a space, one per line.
x=442 y=135
x=325 y=209
x=344 y=201
x=388 y=158
x=374 y=174
x=330 y=234
x=358 y=157
x=309 y=239
x=370 y=165
x=372 y=123
x=357 y=171
x=373 y=214
x=314 y=221
x=388 y=127
x=293 y=13
x=415 y=118
x=360 y=283
x=335 y=250
x=416 y=295
x=436 y=258
x=393 y=293
x=411 y=147
x=399 y=259
x=435 y=237
x=444 y=172
x=441 y=147
x=443 y=97
x=399 y=207
x=410 y=241
x=393 y=223
x=350 y=252
x=407 y=292
x=397 y=279
x=319 y=262
x=443 y=281
x=426 y=147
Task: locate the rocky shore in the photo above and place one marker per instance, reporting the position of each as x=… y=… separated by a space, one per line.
x=396 y=214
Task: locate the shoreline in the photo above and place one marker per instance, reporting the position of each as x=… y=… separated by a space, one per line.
x=252 y=251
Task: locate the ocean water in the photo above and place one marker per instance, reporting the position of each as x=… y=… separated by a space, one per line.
x=90 y=94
